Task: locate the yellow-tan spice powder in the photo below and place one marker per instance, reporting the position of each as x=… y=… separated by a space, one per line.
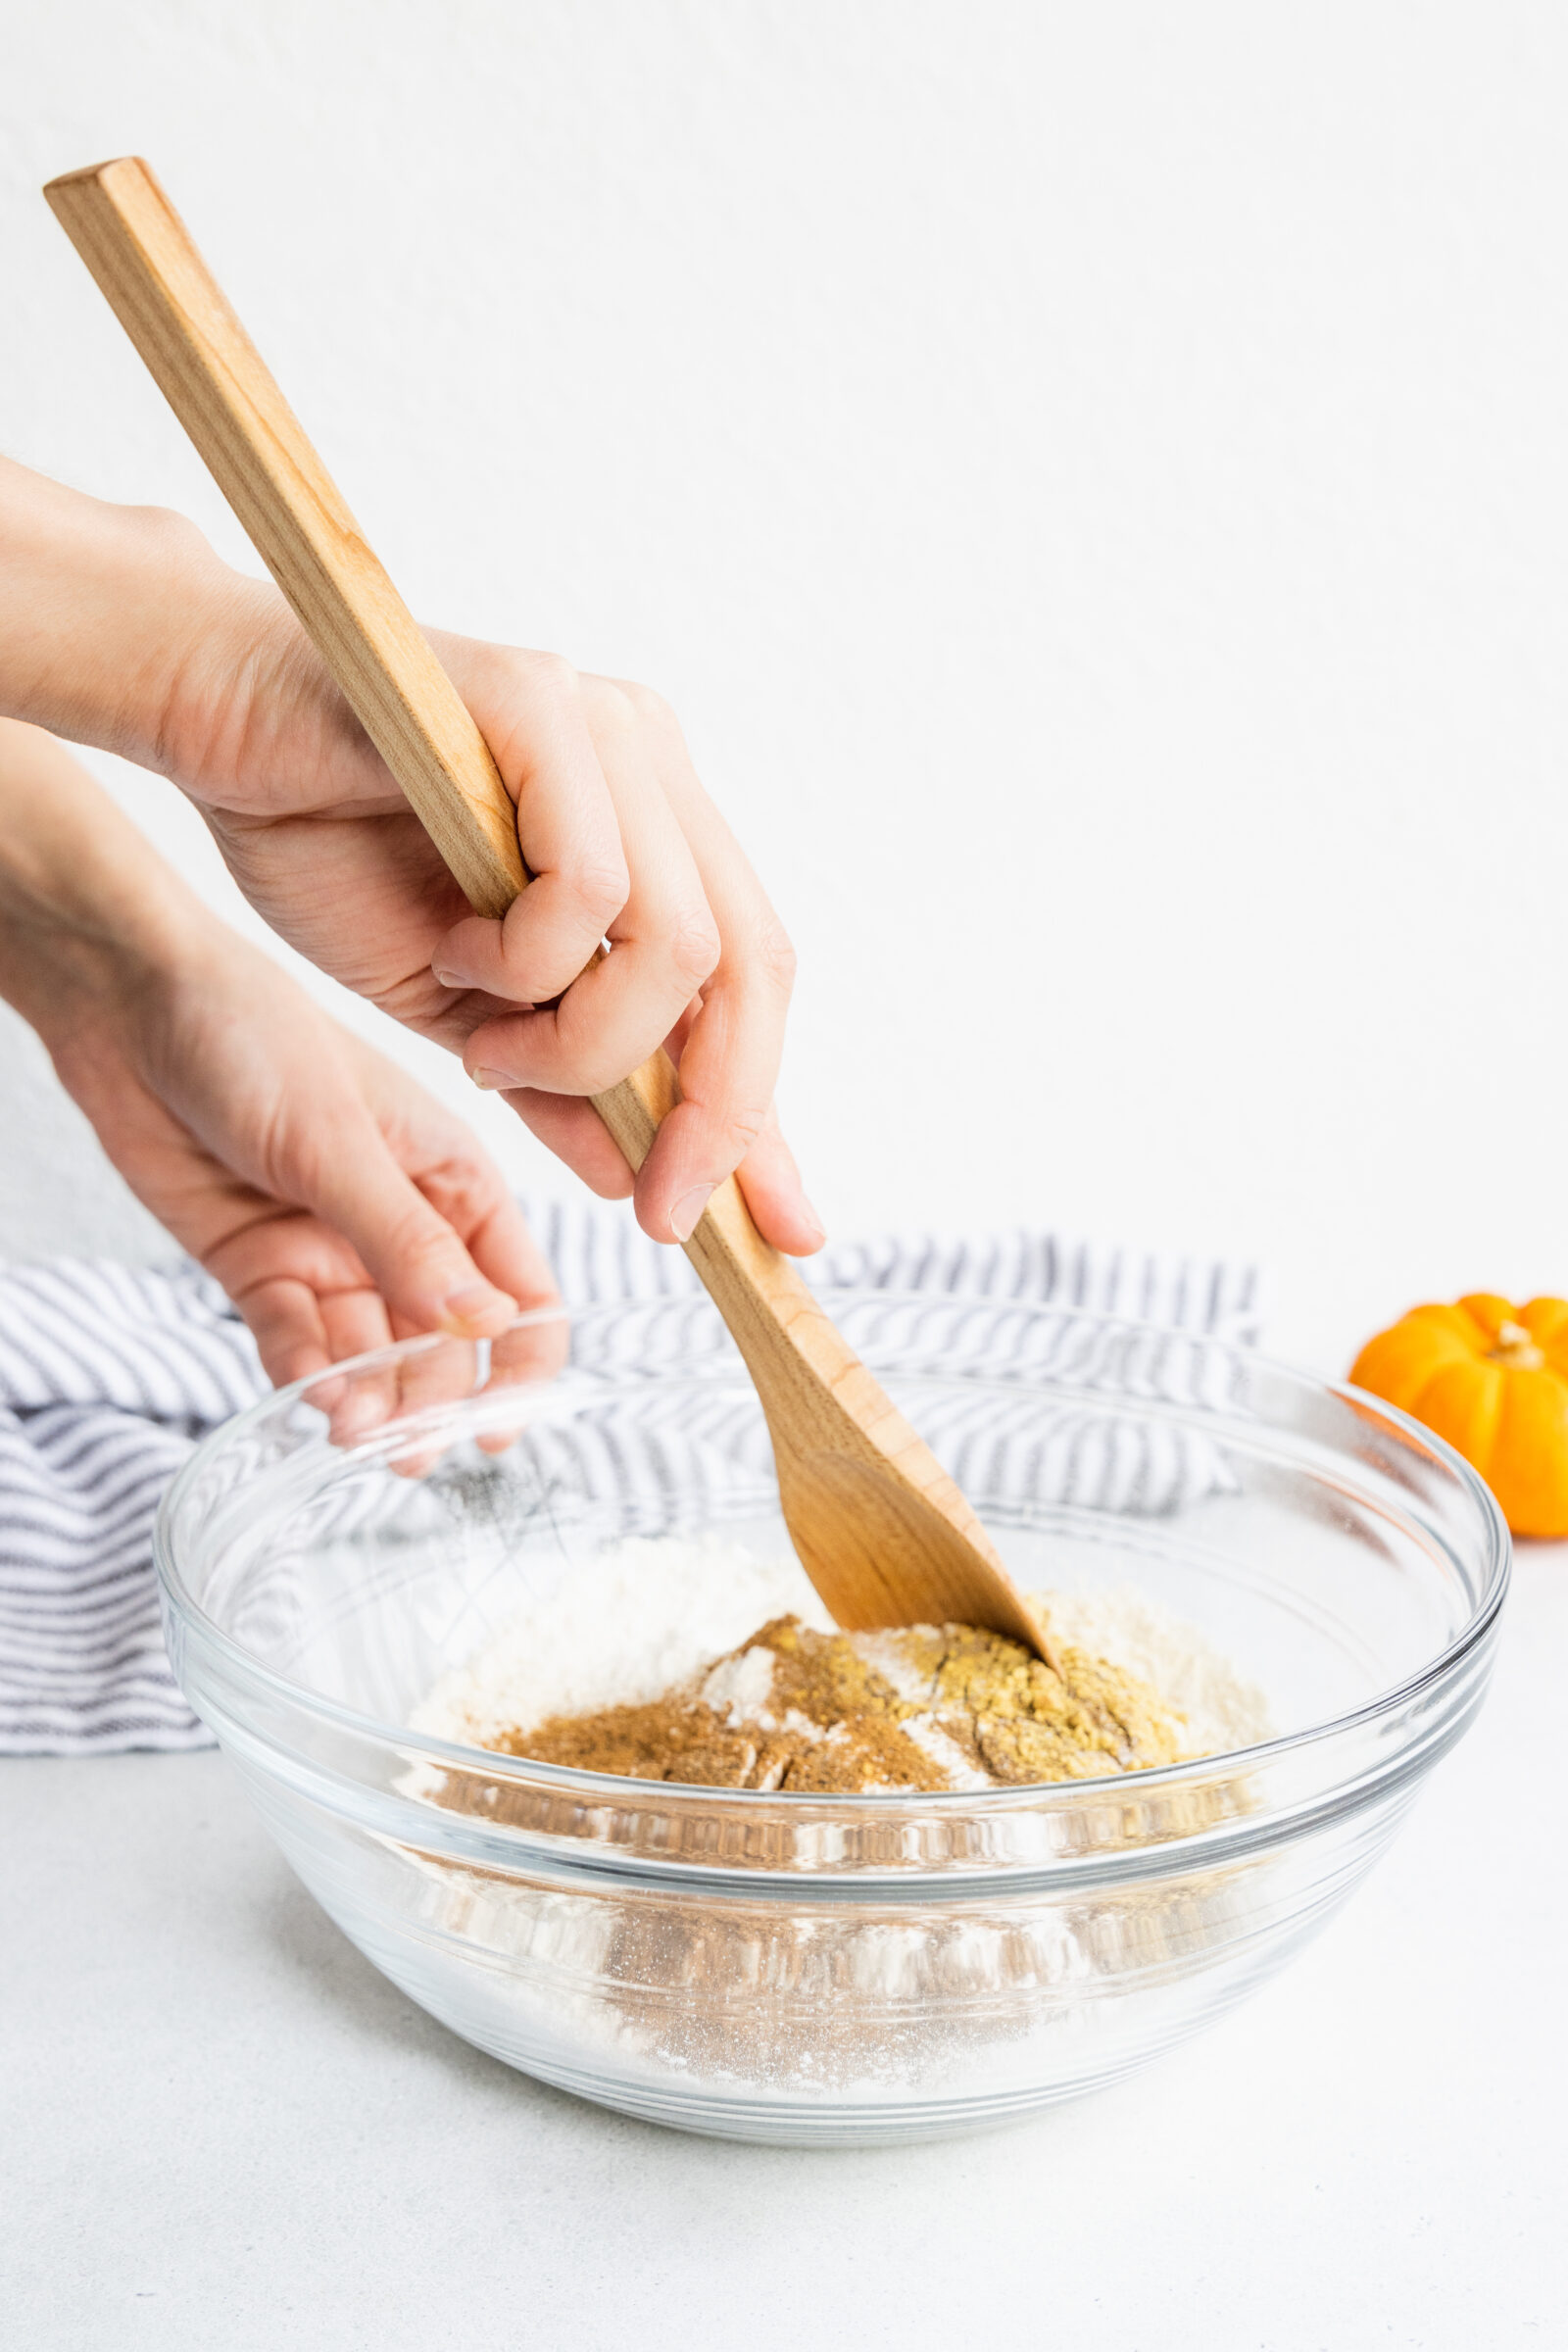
x=846 y=1713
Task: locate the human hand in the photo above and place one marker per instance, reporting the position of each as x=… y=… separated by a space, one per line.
x=120 y=626
x=336 y=1203
x=622 y=842
x=340 y=1205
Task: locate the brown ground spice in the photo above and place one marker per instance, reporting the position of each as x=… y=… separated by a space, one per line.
x=844 y=1713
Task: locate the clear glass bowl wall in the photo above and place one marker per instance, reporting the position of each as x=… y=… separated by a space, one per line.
x=825 y=1969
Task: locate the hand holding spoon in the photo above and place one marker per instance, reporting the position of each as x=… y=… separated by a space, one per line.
x=883 y=1531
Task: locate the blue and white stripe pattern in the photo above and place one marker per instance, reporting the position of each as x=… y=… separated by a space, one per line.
x=110 y=1375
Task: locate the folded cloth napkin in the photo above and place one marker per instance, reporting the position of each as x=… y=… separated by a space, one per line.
x=111 y=1374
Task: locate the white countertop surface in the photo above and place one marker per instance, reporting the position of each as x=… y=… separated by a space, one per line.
x=221 y=2128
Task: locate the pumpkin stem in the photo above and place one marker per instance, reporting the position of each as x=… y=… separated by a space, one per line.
x=1516 y=1349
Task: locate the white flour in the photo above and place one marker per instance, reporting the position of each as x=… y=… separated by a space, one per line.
x=646 y=1614
x=1222 y=1708
x=625 y=1625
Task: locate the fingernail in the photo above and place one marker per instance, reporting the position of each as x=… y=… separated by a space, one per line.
x=478 y=1303
x=814 y=1219
x=491 y=1078
x=446 y=979
x=687 y=1209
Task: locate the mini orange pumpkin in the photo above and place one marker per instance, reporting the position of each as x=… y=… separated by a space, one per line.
x=1492 y=1379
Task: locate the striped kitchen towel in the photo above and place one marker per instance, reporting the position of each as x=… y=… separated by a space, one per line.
x=111 y=1374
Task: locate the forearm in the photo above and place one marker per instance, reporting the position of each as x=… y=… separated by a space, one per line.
x=90 y=917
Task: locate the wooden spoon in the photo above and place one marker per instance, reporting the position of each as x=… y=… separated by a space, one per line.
x=884 y=1534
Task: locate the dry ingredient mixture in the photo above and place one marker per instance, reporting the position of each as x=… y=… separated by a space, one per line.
x=814 y=2000
x=920 y=1708
x=619 y=1675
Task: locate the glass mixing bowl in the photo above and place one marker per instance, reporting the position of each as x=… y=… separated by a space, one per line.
x=825 y=1969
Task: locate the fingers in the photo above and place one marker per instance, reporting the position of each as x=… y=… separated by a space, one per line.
x=664 y=941
x=308 y=1303
x=771 y=1184
x=355 y=1322
x=401 y=1225
x=471 y=1195
x=626 y=847
x=573 y=1130
x=698 y=950
x=418 y=1148
x=286 y=1319
x=767 y=1175
x=532 y=712
x=414 y=1254
x=422 y=1185
x=302 y=1331
x=732 y=1042
x=727 y=1067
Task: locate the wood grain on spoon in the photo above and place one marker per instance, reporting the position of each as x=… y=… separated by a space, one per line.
x=884 y=1534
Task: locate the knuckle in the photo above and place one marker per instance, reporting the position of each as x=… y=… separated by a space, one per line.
x=723 y=1133
x=589 y=1068
x=173 y=537
x=742 y=1129
x=554 y=677
x=602 y=886
x=644 y=701
x=611 y=1184
x=611 y=706
x=582 y=1061
x=655 y=720
x=499 y=1043
x=695 y=946
x=418 y=1242
x=775 y=955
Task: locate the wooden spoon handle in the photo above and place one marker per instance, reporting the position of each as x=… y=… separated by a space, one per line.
x=216 y=381
x=139 y=251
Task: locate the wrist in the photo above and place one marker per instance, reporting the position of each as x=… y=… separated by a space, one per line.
x=102 y=607
x=91 y=919
x=77 y=978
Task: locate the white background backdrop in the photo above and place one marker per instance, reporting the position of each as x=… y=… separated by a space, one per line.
x=1093 y=481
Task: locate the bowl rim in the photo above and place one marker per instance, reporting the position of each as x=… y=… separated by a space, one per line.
x=573 y=1780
